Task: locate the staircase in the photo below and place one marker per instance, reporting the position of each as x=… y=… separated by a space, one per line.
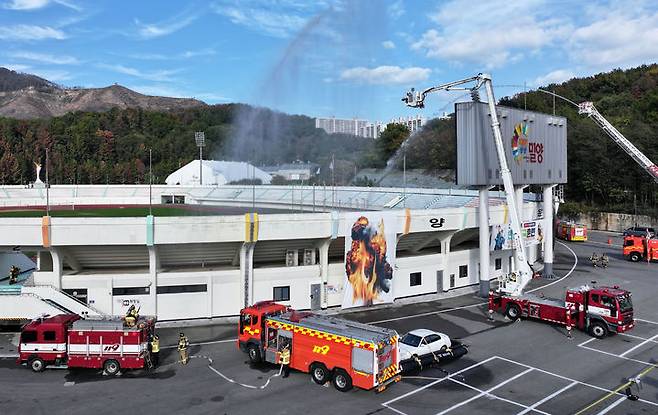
x=23 y=303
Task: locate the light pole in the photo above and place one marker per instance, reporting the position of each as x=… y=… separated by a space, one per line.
x=150 y=183
x=47 y=186
x=200 y=138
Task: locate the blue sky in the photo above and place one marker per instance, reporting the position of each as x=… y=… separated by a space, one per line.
x=322 y=58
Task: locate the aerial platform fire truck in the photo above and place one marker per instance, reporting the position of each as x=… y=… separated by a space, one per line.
x=597 y=310
x=66 y=340
x=640 y=248
x=347 y=353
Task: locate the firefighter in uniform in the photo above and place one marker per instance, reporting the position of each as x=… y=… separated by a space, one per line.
x=132 y=315
x=155 y=350
x=13 y=274
x=594 y=258
x=604 y=261
x=284 y=359
x=183 y=345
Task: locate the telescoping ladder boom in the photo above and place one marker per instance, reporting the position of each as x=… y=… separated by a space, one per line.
x=513 y=283
x=590 y=110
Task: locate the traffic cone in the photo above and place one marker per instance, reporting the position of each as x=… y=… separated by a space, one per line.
x=609 y=241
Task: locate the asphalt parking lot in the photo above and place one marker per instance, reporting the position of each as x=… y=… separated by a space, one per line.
x=524 y=367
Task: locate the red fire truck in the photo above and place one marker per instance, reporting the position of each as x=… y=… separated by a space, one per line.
x=66 y=340
x=344 y=352
x=599 y=311
x=640 y=247
x=571 y=231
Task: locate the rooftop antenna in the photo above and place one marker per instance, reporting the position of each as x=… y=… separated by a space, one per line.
x=200 y=138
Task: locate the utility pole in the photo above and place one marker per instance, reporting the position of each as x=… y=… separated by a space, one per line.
x=150 y=183
x=200 y=138
x=47 y=186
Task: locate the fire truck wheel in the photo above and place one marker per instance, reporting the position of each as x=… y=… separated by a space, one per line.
x=342 y=381
x=319 y=373
x=635 y=257
x=598 y=330
x=513 y=311
x=111 y=367
x=254 y=353
x=37 y=364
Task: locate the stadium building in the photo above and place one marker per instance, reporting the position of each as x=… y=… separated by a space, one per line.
x=293 y=250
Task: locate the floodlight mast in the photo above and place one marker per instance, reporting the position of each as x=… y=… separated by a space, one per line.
x=513 y=283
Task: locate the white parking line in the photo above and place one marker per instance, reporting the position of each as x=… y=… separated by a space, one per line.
x=614 y=404
x=548 y=398
x=638 y=346
x=485 y=393
x=500 y=398
x=616 y=355
x=636 y=337
x=647 y=321
x=575 y=380
x=429 y=385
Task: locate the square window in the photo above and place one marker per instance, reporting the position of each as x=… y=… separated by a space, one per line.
x=463 y=271
x=415 y=279
x=499 y=263
x=49 y=336
x=282 y=293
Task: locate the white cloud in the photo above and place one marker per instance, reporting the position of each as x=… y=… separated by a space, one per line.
x=489 y=33
x=53 y=75
x=30 y=32
x=15 y=67
x=396 y=10
x=554 y=77
x=37 y=4
x=45 y=58
x=619 y=39
x=269 y=22
x=152 y=30
x=188 y=54
x=26 y=4
x=158 y=76
x=388 y=44
x=386 y=75
x=168 y=91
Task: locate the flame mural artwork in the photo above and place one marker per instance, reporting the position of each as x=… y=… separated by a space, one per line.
x=368 y=262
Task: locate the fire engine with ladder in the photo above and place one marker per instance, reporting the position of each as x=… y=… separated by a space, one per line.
x=331 y=349
x=598 y=310
x=68 y=341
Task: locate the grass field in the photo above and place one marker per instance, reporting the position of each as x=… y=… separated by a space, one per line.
x=128 y=211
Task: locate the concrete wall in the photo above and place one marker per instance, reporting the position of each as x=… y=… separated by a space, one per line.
x=615 y=222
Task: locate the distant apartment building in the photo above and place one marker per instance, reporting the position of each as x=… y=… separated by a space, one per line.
x=364 y=128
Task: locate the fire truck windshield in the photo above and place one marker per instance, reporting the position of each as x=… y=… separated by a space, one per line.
x=625 y=303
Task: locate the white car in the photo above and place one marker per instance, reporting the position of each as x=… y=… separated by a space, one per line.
x=420 y=342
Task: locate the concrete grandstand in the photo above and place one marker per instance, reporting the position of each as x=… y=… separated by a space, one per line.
x=292 y=250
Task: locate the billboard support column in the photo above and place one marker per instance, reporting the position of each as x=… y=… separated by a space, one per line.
x=548 y=239
x=483 y=224
x=324 y=272
x=518 y=196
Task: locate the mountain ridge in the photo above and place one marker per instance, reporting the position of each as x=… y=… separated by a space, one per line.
x=27 y=96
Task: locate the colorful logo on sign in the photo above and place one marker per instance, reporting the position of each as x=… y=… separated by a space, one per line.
x=523 y=148
x=321 y=349
x=520 y=142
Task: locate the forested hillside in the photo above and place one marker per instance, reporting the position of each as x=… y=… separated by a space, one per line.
x=113 y=146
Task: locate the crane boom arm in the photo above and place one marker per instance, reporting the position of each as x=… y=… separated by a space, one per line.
x=590 y=110
x=514 y=283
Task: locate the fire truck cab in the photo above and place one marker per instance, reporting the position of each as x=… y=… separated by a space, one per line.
x=640 y=247
x=68 y=341
x=331 y=349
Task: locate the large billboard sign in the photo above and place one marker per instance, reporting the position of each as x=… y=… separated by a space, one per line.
x=535 y=146
x=369 y=258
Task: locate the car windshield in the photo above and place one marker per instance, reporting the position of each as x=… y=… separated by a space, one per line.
x=625 y=302
x=410 y=340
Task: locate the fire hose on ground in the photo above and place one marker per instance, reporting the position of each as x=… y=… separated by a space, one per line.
x=228 y=379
